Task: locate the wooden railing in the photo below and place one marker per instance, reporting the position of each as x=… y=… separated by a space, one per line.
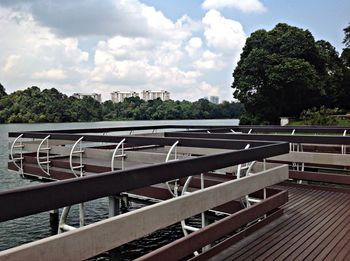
x=101 y=236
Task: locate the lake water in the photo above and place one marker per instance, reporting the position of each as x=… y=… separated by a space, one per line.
x=34 y=227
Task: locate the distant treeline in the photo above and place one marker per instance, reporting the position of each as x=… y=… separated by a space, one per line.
x=33 y=105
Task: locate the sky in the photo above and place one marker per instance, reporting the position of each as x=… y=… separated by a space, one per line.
x=187 y=47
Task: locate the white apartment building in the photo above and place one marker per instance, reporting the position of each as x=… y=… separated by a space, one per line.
x=96 y=96
x=119 y=96
x=152 y=95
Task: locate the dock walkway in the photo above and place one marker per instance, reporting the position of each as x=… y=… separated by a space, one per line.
x=315 y=226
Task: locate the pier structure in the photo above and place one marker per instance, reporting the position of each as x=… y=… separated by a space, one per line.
x=238 y=176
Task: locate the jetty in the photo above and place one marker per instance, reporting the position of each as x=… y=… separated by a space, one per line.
x=259 y=192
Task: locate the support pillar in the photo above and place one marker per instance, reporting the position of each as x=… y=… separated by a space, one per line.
x=113 y=206
x=54 y=218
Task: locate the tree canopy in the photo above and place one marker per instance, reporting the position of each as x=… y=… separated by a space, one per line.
x=2 y=91
x=285 y=71
x=49 y=105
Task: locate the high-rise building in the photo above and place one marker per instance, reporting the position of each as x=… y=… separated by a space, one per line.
x=214 y=99
x=96 y=96
x=119 y=96
x=152 y=95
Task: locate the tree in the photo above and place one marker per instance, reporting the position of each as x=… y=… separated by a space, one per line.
x=345 y=57
x=279 y=74
x=346 y=40
x=2 y=91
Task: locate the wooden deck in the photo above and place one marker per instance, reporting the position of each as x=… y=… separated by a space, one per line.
x=315 y=226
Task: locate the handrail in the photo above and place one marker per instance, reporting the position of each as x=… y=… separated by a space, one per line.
x=47 y=162
x=309 y=139
x=121 y=143
x=80 y=151
x=139 y=177
x=13 y=159
x=167 y=212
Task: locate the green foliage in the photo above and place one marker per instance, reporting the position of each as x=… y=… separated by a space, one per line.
x=285 y=71
x=2 y=91
x=49 y=105
x=322 y=116
x=346 y=40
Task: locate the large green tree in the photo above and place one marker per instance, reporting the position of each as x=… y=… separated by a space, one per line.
x=2 y=91
x=280 y=74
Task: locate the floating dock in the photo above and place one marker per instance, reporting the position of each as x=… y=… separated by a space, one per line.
x=262 y=192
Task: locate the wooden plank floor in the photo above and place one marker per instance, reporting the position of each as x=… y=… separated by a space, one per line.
x=315 y=226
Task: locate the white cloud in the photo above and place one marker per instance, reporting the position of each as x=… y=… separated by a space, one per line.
x=177 y=56
x=32 y=53
x=210 y=61
x=223 y=34
x=52 y=74
x=193 y=46
x=11 y=62
x=209 y=89
x=246 y=6
x=135 y=61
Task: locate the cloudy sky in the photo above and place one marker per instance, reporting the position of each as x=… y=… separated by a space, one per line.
x=188 y=47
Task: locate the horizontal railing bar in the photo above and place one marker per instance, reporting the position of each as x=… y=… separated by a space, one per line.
x=314 y=158
x=104 y=235
x=225 y=128
x=279 y=129
x=340 y=140
x=44 y=197
x=343 y=179
x=187 y=245
x=187 y=142
x=134 y=128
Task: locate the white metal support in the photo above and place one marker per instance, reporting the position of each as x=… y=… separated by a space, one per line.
x=14 y=159
x=62 y=223
x=80 y=151
x=122 y=155
x=62 y=226
x=291 y=145
x=248 y=201
x=343 y=147
x=240 y=167
x=46 y=151
x=184 y=226
x=250 y=131
x=174 y=192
